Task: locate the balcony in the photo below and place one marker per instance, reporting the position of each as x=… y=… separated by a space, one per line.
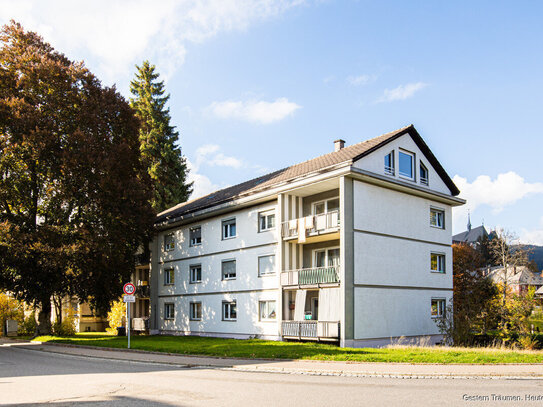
x=142 y=289
x=142 y=259
x=311 y=225
x=310 y=330
x=310 y=276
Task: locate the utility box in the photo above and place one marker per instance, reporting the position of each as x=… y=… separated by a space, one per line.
x=11 y=327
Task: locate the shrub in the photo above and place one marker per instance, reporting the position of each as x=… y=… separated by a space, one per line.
x=116 y=317
x=67 y=326
x=28 y=326
x=529 y=342
x=10 y=308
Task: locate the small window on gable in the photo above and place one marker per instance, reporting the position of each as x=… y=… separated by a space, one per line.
x=169 y=242
x=423 y=174
x=389 y=163
x=195 y=236
x=407 y=165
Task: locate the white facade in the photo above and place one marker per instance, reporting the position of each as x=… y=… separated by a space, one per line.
x=362 y=255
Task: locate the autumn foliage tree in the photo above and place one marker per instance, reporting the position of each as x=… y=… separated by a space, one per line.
x=73 y=191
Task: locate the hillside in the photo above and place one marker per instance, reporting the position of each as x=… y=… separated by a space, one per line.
x=536 y=255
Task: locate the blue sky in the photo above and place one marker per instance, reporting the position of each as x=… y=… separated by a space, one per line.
x=260 y=85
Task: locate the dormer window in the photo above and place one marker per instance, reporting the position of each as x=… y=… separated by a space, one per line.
x=423 y=174
x=407 y=165
x=389 y=163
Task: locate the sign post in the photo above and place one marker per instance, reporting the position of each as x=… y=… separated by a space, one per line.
x=129 y=289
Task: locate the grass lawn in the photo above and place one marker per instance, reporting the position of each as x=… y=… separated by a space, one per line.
x=255 y=348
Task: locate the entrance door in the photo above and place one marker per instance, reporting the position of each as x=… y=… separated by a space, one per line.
x=315 y=308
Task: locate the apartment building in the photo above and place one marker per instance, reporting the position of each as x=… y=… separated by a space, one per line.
x=353 y=246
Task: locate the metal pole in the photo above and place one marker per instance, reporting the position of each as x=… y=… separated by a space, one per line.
x=128 y=322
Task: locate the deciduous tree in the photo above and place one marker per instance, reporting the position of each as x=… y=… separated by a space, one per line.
x=73 y=191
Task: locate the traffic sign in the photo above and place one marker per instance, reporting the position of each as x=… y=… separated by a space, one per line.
x=129 y=289
x=129 y=298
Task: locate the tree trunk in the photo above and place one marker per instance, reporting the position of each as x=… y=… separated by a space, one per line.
x=44 y=318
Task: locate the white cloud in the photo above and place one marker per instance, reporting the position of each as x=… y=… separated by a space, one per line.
x=534 y=236
x=118 y=34
x=254 y=111
x=402 y=92
x=505 y=190
x=209 y=154
x=202 y=184
x=360 y=80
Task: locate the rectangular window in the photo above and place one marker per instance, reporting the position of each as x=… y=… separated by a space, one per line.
x=169 y=311
x=322 y=207
x=228 y=269
x=169 y=276
x=169 y=242
x=423 y=174
x=195 y=236
x=266 y=221
x=195 y=311
x=195 y=272
x=389 y=164
x=438 y=308
x=266 y=265
x=267 y=310
x=229 y=228
x=407 y=165
x=229 y=312
x=437 y=263
x=437 y=218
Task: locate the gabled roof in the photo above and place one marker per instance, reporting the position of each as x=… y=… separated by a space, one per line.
x=470 y=236
x=519 y=275
x=348 y=154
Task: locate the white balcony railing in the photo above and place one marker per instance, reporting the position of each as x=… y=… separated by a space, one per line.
x=315 y=275
x=310 y=224
x=310 y=329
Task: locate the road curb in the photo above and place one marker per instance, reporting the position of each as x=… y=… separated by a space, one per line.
x=55 y=348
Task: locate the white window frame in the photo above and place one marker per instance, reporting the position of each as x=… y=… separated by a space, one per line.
x=390 y=170
x=266 y=215
x=228 y=222
x=325 y=202
x=325 y=249
x=440 y=262
x=413 y=165
x=195 y=306
x=440 y=308
x=168 y=247
x=227 y=310
x=191 y=268
x=260 y=274
x=169 y=276
x=169 y=306
x=235 y=269
x=424 y=181
x=262 y=303
x=437 y=211
x=192 y=229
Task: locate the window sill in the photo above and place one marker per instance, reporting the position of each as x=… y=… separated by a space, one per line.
x=437 y=272
x=195 y=319
x=268 y=320
x=266 y=230
x=405 y=178
x=195 y=282
x=267 y=275
x=228 y=278
x=229 y=320
x=168 y=284
x=228 y=238
x=169 y=319
x=195 y=245
x=437 y=227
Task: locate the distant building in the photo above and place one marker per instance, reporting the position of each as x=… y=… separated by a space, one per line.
x=470 y=236
x=519 y=278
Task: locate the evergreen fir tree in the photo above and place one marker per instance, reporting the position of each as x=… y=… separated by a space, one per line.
x=165 y=163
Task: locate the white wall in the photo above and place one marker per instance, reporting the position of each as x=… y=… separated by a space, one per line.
x=245 y=248
x=386 y=261
x=385 y=313
x=386 y=211
x=247 y=322
x=374 y=162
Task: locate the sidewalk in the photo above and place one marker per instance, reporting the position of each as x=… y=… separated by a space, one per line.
x=392 y=370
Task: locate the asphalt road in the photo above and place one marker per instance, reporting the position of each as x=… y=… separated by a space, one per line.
x=36 y=378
